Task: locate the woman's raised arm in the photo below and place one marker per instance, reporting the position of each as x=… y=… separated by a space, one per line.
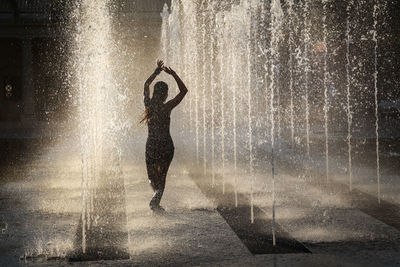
x=182 y=89
x=146 y=93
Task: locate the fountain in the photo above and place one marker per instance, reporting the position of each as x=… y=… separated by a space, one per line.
x=348 y=87
x=164 y=33
x=289 y=134
x=235 y=73
x=101 y=124
x=212 y=85
x=325 y=86
x=290 y=40
x=276 y=30
x=241 y=66
x=203 y=9
x=249 y=101
x=375 y=39
x=174 y=56
x=188 y=24
x=221 y=47
x=306 y=65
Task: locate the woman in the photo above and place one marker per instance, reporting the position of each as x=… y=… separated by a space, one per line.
x=159 y=145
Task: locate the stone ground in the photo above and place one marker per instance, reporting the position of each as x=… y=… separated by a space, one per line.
x=40 y=208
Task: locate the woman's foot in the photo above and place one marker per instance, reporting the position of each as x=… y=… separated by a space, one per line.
x=155 y=201
x=157 y=209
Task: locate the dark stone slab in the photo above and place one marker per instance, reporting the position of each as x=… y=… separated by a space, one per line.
x=257 y=236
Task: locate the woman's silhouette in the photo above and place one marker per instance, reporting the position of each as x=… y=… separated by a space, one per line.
x=159 y=145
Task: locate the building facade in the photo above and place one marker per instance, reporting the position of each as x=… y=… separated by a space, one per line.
x=32 y=53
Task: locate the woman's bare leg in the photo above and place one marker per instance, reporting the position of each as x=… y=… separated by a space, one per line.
x=161 y=175
x=152 y=174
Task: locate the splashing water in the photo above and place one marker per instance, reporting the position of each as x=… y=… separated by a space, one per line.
x=101 y=107
x=213 y=84
x=325 y=86
x=175 y=44
x=164 y=33
x=249 y=108
x=375 y=39
x=254 y=86
x=221 y=48
x=306 y=18
x=204 y=84
x=290 y=14
x=276 y=33
x=348 y=78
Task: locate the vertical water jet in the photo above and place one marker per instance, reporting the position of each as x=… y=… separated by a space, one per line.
x=307 y=37
x=348 y=87
x=174 y=36
x=203 y=11
x=375 y=39
x=102 y=125
x=190 y=48
x=249 y=104
x=164 y=33
x=234 y=88
x=325 y=86
x=213 y=83
x=276 y=35
x=223 y=76
x=290 y=40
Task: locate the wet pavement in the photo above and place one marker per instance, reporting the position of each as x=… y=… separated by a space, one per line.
x=40 y=213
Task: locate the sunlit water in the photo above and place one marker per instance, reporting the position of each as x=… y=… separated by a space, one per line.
x=101 y=103
x=249 y=69
x=275 y=72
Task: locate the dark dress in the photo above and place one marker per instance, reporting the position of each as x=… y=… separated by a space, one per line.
x=159 y=145
x=159 y=151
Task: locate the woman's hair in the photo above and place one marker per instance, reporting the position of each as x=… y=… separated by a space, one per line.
x=159 y=95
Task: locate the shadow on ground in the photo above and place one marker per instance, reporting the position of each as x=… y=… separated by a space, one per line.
x=257 y=236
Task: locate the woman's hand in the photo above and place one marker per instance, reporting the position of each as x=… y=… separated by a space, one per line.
x=160 y=64
x=169 y=70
